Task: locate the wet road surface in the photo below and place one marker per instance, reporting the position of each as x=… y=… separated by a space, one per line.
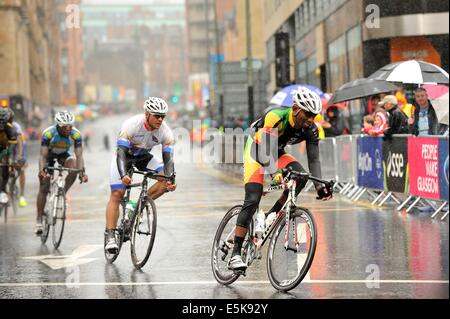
x=407 y=253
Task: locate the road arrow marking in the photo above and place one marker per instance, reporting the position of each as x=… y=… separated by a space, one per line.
x=65 y=261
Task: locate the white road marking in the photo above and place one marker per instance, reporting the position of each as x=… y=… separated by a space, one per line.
x=191 y=283
x=75 y=259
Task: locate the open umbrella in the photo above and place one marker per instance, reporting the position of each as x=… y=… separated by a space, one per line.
x=412 y=72
x=284 y=96
x=435 y=91
x=441 y=108
x=361 y=88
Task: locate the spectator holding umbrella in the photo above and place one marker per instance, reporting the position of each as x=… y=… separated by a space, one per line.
x=425 y=119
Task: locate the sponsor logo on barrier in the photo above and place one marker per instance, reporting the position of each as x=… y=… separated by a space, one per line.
x=378 y=163
x=364 y=163
x=395 y=164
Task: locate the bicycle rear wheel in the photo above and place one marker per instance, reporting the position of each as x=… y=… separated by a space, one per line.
x=143 y=232
x=223 y=247
x=59 y=218
x=287 y=267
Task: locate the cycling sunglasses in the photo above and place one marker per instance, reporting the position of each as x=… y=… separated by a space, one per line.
x=309 y=115
x=159 y=116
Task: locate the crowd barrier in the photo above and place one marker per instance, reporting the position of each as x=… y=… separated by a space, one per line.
x=405 y=169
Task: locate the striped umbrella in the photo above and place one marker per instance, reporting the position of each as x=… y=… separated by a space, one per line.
x=411 y=72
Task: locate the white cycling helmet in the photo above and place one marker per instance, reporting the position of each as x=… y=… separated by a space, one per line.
x=64 y=118
x=308 y=100
x=156 y=105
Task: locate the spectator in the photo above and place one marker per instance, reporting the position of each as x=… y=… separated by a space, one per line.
x=368 y=124
x=425 y=119
x=403 y=104
x=106 y=141
x=397 y=120
x=380 y=119
x=334 y=124
x=372 y=103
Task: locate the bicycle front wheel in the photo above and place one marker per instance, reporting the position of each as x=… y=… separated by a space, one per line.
x=289 y=259
x=223 y=247
x=143 y=232
x=59 y=218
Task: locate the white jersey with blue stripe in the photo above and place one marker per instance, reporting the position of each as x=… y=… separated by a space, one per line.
x=138 y=138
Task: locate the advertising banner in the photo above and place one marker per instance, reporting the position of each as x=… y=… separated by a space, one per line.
x=423 y=154
x=395 y=161
x=443 y=168
x=370 y=162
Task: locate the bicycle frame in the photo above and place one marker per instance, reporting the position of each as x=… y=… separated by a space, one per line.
x=143 y=195
x=289 y=184
x=284 y=212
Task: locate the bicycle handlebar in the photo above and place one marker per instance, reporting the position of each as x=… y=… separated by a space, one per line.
x=289 y=172
x=153 y=175
x=63 y=169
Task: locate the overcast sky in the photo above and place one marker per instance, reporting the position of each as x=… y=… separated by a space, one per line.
x=139 y=2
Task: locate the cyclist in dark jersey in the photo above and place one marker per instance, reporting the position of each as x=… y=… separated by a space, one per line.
x=9 y=141
x=285 y=126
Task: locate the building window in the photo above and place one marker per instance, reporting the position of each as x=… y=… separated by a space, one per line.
x=312 y=78
x=302 y=72
x=354 y=49
x=312 y=9
x=306 y=71
x=337 y=63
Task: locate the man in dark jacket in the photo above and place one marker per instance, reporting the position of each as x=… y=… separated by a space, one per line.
x=398 y=121
x=334 y=124
x=425 y=119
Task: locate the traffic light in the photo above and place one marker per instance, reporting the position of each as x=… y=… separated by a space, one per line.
x=282 y=61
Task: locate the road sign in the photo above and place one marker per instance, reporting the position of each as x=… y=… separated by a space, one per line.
x=256 y=64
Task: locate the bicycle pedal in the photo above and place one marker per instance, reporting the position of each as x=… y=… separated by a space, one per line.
x=240 y=272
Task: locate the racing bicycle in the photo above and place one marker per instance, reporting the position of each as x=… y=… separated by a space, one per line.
x=140 y=227
x=292 y=239
x=55 y=209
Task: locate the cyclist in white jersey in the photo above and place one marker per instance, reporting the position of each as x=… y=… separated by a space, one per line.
x=137 y=137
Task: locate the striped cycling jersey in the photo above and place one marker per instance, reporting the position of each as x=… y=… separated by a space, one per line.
x=60 y=144
x=280 y=121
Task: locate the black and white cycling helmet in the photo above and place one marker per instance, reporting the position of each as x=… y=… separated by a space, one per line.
x=156 y=105
x=64 y=118
x=308 y=100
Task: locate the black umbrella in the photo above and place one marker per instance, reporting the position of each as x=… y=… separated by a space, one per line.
x=412 y=72
x=361 y=88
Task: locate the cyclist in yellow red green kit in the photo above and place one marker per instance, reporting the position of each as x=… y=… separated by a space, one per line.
x=264 y=153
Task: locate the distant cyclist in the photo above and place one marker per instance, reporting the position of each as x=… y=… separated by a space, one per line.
x=287 y=126
x=10 y=146
x=137 y=137
x=22 y=177
x=55 y=146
